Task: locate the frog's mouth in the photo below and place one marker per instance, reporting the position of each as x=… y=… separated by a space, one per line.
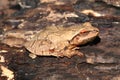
x=84 y=37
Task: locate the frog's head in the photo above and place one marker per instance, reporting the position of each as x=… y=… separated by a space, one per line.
x=86 y=34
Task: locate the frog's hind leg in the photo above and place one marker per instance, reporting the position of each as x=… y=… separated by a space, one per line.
x=33 y=56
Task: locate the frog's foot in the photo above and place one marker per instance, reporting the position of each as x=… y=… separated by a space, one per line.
x=70 y=53
x=73 y=53
x=33 y=56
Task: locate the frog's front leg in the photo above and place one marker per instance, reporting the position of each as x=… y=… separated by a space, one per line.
x=69 y=53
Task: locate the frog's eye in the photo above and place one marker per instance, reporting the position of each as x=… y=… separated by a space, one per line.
x=83 y=31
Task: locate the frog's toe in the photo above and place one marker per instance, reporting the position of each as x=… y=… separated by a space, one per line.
x=69 y=54
x=33 y=56
x=79 y=54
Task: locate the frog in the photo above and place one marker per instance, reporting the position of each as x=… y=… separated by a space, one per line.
x=60 y=41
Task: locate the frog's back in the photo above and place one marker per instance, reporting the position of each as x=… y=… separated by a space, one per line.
x=51 y=40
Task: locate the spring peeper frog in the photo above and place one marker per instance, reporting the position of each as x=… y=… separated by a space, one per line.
x=60 y=41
